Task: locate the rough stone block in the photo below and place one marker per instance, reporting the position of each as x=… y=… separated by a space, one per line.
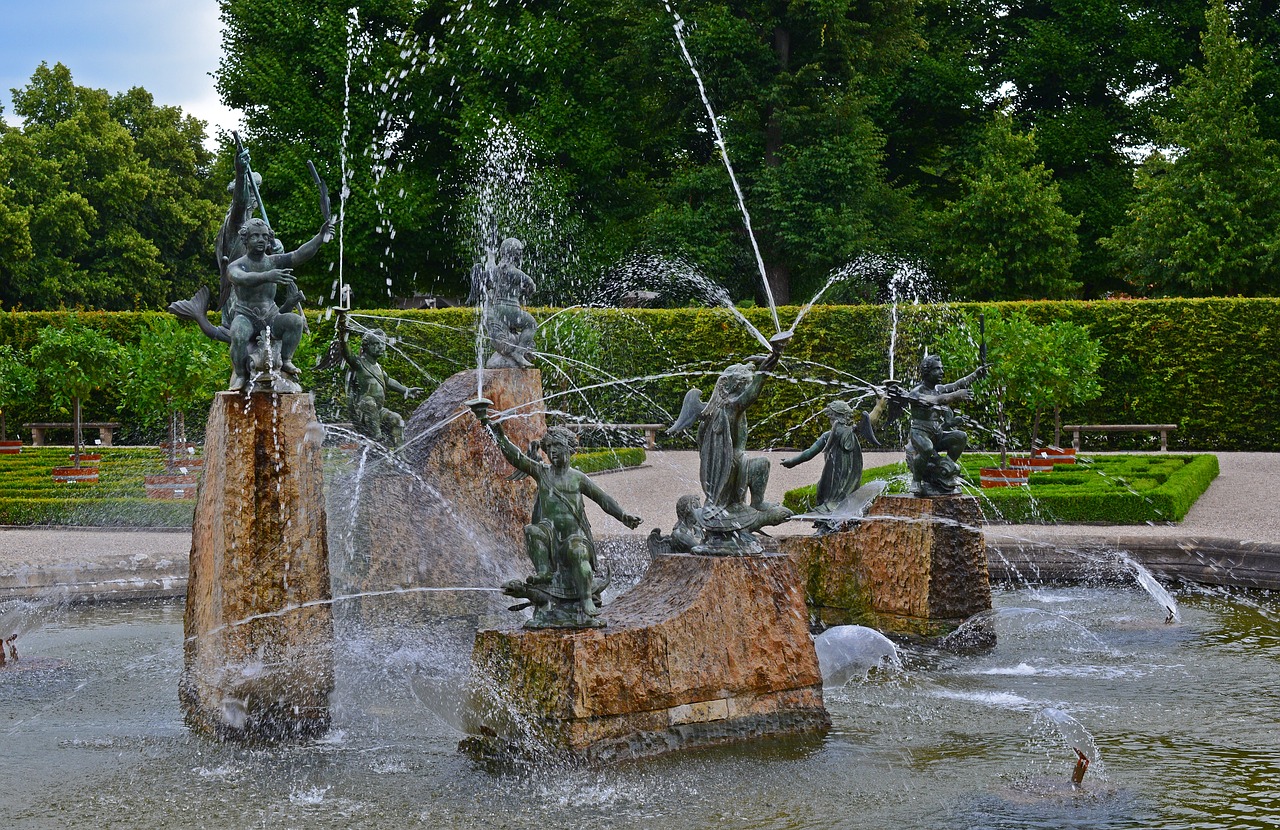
x=913 y=566
x=704 y=649
x=258 y=662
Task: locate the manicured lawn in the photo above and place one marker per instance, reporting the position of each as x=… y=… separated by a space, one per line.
x=30 y=496
x=1100 y=489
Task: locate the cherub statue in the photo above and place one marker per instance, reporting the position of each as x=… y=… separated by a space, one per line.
x=256 y=277
x=565 y=588
x=726 y=474
x=504 y=288
x=367 y=385
x=687 y=533
x=936 y=443
x=842 y=470
x=258 y=292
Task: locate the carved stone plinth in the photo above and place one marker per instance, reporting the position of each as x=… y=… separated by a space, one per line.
x=452 y=519
x=703 y=650
x=913 y=566
x=258 y=662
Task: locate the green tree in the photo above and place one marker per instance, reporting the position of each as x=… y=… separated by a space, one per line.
x=613 y=118
x=73 y=362
x=1073 y=358
x=16 y=382
x=1034 y=369
x=105 y=201
x=1207 y=216
x=1086 y=75
x=172 y=369
x=1007 y=235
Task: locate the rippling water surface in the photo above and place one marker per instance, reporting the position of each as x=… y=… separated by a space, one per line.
x=1181 y=722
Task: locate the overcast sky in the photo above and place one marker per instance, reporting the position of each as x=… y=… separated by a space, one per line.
x=169 y=47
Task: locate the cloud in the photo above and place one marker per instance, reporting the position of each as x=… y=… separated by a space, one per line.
x=169 y=48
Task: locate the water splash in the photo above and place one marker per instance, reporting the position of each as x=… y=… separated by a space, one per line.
x=724 y=155
x=846 y=652
x=1148 y=582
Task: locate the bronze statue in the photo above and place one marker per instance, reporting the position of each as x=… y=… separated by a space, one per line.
x=258 y=322
x=504 y=288
x=367 y=385
x=565 y=588
x=256 y=277
x=727 y=475
x=842 y=470
x=687 y=532
x=936 y=443
x=228 y=247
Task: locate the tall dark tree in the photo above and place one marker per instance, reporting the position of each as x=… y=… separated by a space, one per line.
x=1086 y=74
x=1006 y=236
x=616 y=133
x=1206 y=221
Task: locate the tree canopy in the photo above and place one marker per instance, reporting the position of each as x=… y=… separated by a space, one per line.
x=858 y=132
x=1206 y=219
x=104 y=200
x=1007 y=236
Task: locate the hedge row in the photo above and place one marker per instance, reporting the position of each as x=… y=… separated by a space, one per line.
x=30 y=496
x=594 y=461
x=1207 y=365
x=1116 y=489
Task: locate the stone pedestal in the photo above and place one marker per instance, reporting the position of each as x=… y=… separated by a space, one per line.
x=258 y=664
x=913 y=566
x=452 y=519
x=703 y=650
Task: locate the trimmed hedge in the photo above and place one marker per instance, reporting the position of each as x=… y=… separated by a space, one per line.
x=1208 y=365
x=30 y=496
x=1113 y=489
x=595 y=461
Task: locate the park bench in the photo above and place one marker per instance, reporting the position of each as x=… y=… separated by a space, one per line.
x=1163 y=429
x=105 y=430
x=650 y=430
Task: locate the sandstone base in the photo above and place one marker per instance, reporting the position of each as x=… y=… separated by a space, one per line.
x=914 y=566
x=258 y=664
x=450 y=520
x=704 y=650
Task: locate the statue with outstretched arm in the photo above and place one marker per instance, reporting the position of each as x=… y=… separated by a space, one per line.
x=727 y=475
x=256 y=276
x=841 y=446
x=368 y=383
x=936 y=441
x=564 y=587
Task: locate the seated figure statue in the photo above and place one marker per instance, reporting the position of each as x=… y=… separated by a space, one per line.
x=936 y=443
x=685 y=535
x=256 y=277
x=367 y=384
x=733 y=484
x=505 y=289
x=564 y=589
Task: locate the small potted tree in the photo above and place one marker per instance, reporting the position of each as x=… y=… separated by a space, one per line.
x=73 y=362
x=16 y=384
x=171 y=370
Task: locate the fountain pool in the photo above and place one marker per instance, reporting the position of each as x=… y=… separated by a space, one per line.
x=1180 y=720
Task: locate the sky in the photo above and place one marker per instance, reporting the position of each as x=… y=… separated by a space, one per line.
x=169 y=47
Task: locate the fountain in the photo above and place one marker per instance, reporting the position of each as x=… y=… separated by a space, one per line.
x=366 y=725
